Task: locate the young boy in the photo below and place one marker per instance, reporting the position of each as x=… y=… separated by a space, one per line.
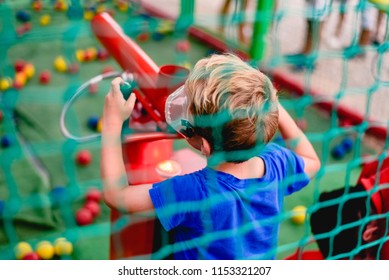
x=229 y=209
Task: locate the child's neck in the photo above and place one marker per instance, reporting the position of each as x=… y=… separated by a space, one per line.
x=252 y=168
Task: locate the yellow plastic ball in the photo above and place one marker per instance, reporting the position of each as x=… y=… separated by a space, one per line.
x=187 y=65
x=99 y=127
x=80 y=55
x=45 y=250
x=29 y=70
x=165 y=27
x=100 y=9
x=62 y=247
x=88 y=15
x=60 y=64
x=22 y=249
x=298 y=214
x=45 y=20
x=5 y=84
x=123 y=7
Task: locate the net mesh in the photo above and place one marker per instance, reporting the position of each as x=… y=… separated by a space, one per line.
x=336 y=91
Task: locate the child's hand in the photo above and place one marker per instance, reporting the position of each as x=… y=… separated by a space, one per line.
x=116 y=108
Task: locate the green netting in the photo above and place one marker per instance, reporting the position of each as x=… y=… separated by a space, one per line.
x=339 y=95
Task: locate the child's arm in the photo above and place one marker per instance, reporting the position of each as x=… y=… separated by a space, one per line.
x=301 y=146
x=116 y=191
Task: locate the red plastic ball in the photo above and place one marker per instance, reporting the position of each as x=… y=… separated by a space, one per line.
x=93 y=207
x=45 y=77
x=183 y=46
x=31 y=256
x=107 y=69
x=73 y=68
x=84 y=217
x=93 y=195
x=19 y=65
x=84 y=158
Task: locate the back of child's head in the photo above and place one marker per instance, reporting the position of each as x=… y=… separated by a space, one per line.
x=342 y=211
x=235 y=106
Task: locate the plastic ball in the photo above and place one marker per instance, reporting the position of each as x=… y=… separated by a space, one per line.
x=84 y=158
x=45 y=250
x=88 y=15
x=58 y=194
x=37 y=5
x=61 y=6
x=100 y=9
x=157 y=36
x=32 y=256
x=84 y=217
x=22 y=249
x=143 y=37
x=80 y=55
x=93 y=195
x=5 y=141
x=29 y=70
x=165 y=27
x=63 y=247
x=73 y=68
x=60 y=64
x=5 y=83
x=107 y=69
x=99 y=127
x=186 y=64
x=19 y=65
x=102 y=54
x=338 y=152
x=23 y=16
x=298 y=214
x=347 y=143
x=183 y=46
x=20 y=78
x=45 y=20
x=92 y=122
x=93 y=207
x=45 y=77
x=2 y=206
x=92 y=51
x=26 y=26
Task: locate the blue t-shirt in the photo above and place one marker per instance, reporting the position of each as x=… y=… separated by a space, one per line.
x=214 y=215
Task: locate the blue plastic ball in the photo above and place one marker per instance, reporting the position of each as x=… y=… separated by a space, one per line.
x=23 y=16
x=347 y=144
x=58 y=194
x=338 y=152
x=2 y=206
x=5 y=142
x=93 y=122
x=157 y=36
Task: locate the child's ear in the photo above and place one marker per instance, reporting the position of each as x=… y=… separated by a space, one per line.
x=205 y=147
x=370 y=233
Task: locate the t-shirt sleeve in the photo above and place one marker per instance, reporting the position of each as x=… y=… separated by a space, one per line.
x=175 y=199
x=287 y=166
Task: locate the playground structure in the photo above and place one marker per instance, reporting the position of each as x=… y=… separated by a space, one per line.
x=132 y=238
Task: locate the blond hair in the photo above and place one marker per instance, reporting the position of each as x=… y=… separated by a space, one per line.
x=234 y=105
